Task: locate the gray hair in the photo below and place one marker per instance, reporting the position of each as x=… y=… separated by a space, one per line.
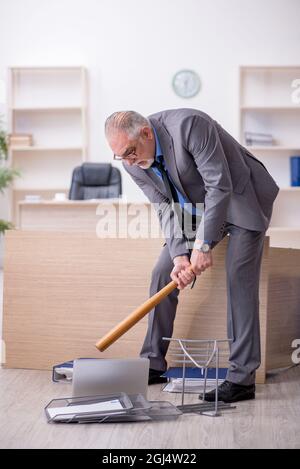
x=129 y=122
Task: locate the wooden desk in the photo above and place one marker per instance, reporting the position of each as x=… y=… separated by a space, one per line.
x=68 y=215
x=86 y=215
x=89 y=215
x=63 y=291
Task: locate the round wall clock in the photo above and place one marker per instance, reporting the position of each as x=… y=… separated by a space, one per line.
x=186 y=83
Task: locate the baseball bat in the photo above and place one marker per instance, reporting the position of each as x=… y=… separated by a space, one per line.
x=127 y=323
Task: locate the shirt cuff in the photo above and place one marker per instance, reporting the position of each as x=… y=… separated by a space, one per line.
x=207 y=242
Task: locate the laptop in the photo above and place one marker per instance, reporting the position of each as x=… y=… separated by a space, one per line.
x=92 y=377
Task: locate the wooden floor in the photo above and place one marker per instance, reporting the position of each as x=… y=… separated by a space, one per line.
x=271 y=421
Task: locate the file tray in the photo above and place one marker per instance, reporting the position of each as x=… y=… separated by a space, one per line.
x=77 y=409
x=163 y=410
x=158 y=410
x=202 y=354
x=135 y=408
x=139 y=406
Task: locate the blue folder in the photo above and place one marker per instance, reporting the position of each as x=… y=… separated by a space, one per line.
x=193 y=372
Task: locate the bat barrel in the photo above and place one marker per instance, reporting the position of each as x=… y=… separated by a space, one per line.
x=115 y=333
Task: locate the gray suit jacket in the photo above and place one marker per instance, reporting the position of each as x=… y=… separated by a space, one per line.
x=208 y=166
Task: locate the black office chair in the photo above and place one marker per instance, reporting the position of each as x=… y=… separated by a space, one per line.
x=95 y=181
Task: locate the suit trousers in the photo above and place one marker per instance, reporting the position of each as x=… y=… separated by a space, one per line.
x=243 y=262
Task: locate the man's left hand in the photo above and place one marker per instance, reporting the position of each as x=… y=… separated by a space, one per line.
x=201 y=261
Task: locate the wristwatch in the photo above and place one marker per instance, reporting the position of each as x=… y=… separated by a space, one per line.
x=202 y=247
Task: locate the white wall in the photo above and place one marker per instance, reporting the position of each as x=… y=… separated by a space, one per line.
x=132 y=48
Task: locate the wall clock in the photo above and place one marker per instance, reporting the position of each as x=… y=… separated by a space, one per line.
x=186 y=83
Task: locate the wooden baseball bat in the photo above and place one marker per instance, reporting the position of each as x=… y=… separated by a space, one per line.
x=120 y=329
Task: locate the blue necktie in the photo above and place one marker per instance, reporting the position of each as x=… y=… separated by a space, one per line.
x=172 y=194
x=171 y=191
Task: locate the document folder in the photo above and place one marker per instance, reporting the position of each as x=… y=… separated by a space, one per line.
x=79 y=409
x=64 y=371
x=114 y=408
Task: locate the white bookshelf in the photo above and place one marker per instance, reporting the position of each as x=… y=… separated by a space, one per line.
x=267 y=106
x=51 y=104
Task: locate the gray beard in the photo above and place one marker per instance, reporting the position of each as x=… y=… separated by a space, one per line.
x=147 y=165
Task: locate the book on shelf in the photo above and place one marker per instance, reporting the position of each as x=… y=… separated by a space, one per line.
x=256 y=138
x=194 y=379
x=20 y=140
x=295 y=170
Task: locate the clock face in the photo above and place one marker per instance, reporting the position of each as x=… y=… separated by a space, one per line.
x=186 y=83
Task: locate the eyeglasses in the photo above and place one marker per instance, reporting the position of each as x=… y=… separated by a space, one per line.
x=129 y=153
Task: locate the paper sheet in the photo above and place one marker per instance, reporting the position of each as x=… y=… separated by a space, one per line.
x=84 y=408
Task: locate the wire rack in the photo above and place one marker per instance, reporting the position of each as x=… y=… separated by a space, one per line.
x=203 y=354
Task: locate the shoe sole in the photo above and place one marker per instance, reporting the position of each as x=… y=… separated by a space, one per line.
x=157 y=381
x=230 y=401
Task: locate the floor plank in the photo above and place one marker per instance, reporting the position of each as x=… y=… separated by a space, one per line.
x=271 y=421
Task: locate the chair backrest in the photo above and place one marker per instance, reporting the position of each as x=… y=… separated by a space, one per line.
x=95 y=181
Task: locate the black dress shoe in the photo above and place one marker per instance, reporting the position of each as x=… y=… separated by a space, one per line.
x=231 y=392
x=155 y=377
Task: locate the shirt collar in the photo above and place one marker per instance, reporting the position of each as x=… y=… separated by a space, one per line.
x=158 y=151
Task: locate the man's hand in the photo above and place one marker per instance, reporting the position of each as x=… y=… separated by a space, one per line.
x=182 y=272
x=201 y=261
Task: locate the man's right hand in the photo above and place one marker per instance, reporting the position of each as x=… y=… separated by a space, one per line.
x=182 y=273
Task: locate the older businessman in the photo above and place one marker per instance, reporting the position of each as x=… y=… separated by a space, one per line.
x=183 y=156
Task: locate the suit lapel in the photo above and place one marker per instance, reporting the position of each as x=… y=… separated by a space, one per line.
x=149 y=173
x=166 y=144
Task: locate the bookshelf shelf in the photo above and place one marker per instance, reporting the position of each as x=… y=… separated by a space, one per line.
x=266 y=95
x=43 y=189
x=270 y=67
x=290 y=189
x=48 y=109
x=274 y=148
x=46 y=68
x=291 y=229
x=49 y=103
x=270 y=108
x=42 y=149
